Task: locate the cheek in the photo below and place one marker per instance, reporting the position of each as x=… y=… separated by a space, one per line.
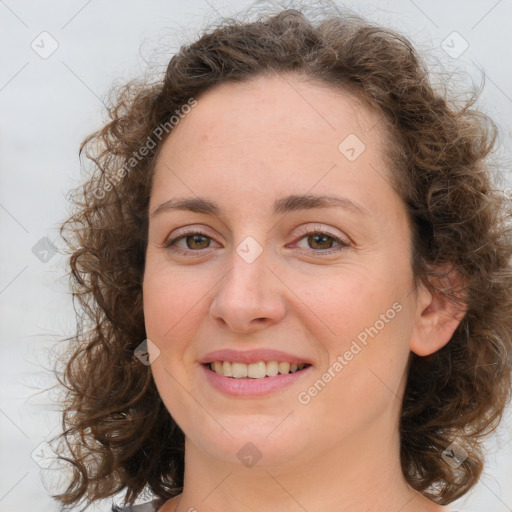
x=366 y=327
x=172 y=307
x=346 y=303
x=172 y=301
x=367 y=361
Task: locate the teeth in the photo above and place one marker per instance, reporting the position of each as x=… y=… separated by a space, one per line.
x=257 y=370
x=226 y=369
x=239 y=370
x=272 y=368
x=284 y=367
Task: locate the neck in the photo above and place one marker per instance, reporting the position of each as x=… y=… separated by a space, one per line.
x=360 y=474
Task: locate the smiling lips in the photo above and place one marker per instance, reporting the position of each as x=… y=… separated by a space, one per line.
x=258 y=370
x=254 y=379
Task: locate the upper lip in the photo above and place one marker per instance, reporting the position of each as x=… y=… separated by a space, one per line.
x=252 y=356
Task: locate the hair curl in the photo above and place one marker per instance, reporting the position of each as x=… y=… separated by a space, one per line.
x=117 y=432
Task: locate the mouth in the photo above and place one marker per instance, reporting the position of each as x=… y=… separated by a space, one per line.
x=257 y=373
x=258 y=370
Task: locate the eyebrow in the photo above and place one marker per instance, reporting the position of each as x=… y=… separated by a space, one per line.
x=286 y=204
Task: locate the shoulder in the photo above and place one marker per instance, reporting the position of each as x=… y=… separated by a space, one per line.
x=152 y=506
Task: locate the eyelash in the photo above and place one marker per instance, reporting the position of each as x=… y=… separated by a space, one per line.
x=306 y=232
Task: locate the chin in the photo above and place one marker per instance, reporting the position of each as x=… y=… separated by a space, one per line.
x=251 y=440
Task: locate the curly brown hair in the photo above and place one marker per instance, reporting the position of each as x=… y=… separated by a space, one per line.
x=118 y=434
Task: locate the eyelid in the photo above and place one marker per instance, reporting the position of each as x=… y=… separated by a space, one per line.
x=318 y=228
x=184 y=232
x=191 y=230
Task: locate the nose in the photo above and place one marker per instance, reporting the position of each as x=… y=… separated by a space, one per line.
x=249 y=298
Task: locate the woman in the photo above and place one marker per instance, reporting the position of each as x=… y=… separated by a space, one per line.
x=295 y=273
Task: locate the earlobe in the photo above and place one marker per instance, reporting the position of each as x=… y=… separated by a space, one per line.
x=437 y=317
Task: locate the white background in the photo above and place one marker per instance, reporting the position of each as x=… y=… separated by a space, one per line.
x=47 y=107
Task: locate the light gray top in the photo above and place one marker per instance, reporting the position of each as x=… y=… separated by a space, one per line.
x=143 y=507
x=152 y=507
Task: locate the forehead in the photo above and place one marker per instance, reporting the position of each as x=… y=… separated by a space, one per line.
x=312 y=110
x=279 y=134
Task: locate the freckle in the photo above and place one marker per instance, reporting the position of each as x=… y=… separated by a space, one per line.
x=206 y=135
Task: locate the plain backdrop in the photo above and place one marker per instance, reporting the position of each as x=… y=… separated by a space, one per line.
x=59 y=59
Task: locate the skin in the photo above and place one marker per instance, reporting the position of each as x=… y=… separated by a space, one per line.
x=244 y=146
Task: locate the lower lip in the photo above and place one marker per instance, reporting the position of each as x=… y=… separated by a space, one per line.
x=252 y=387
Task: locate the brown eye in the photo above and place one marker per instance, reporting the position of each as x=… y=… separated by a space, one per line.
x=198 y=241
x=320 y=241
x=192 y=243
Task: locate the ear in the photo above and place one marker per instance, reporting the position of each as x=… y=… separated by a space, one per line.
x=437 y=317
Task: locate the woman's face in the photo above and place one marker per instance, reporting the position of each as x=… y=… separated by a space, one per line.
x=274 y=277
